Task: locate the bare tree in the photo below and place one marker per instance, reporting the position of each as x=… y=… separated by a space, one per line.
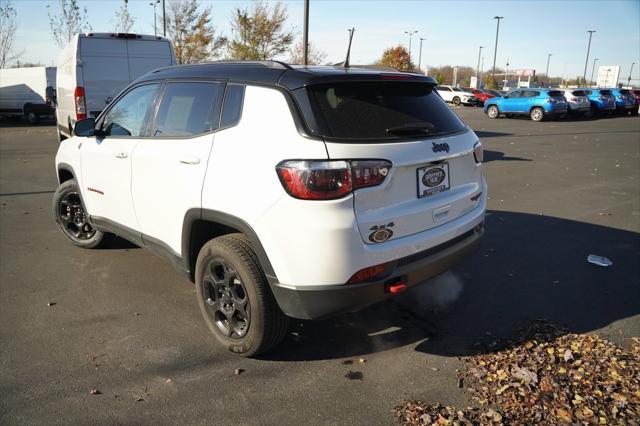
x=259 y=32
x=71 y=21
x=124 y=20
x=315 y=56
x=194 y=37
x=7 y=34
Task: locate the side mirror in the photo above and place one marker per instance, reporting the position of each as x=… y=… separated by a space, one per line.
x=85 y=127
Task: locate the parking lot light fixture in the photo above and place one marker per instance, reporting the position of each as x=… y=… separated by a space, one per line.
x=630 y=71
x=586 y=62
x=420 y=54
x=411 y=33
x=155 y=29
x=593 y=69
x=495 y=49
x=478 y=67
x=547 y=71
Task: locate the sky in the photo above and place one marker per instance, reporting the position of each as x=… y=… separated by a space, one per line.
x=453 y=30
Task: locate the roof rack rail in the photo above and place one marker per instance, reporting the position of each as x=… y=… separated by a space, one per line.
x=268 y=63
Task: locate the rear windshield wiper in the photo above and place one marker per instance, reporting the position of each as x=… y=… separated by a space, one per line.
x=412 y=128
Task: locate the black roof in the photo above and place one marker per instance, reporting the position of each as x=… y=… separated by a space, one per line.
x=278 y=73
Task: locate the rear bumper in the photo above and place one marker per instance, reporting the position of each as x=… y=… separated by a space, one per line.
x=324 y=301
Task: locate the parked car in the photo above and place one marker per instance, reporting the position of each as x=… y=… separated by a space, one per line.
x=93 y=68
x=538 y=104
x=27 y=92
x=281 y=191
x=456 y=95
x=637 y=103
x=601 y=100
x=481 y=95
x=577 y=101
x=625 y=100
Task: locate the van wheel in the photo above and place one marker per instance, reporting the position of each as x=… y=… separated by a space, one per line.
x=71 y=216
x=32 y=117
x=536 y=114
x=456 y=101
x=234 y=297
x=493 y=112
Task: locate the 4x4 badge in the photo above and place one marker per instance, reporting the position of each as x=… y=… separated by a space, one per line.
x=440 y=147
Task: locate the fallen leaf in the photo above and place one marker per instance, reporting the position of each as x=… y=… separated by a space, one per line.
x=95 y=392
x=238 y=371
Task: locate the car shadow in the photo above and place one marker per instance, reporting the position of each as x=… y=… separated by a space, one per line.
x=529 y=267
x=115 y=242
x=499 y=156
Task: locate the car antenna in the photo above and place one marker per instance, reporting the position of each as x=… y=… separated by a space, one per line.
x=346 y=61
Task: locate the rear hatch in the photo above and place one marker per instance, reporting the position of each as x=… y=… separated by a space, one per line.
x=434 y=177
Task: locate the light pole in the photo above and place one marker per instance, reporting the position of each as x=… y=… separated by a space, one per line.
x=420 y=55
x=411 y=33
x=586 y=62
x=593 y=68
x=546 y=73
x=155 y=30
x=305 y=36
x=630 y=71
x=495 y=49
x=478 y=67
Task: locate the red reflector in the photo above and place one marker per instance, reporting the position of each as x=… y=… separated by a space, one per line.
x=395 y=288
x=368 y=274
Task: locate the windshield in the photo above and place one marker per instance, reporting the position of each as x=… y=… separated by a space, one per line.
x=378 y=110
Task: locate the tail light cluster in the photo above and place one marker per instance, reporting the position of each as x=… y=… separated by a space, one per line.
x=478 y=152
x=329 y=180
x=81 y=106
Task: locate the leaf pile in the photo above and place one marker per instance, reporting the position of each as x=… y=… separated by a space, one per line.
x=546 y=376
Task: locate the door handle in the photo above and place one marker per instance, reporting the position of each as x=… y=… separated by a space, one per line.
x=122 y=155
x=190 y=160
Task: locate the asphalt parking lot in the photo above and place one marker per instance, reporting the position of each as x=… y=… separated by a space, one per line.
x=121 y=321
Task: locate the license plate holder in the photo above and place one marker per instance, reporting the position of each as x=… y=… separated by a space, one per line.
x=433 y=179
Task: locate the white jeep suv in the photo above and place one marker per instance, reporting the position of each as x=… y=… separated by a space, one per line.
x=280 y=191
x=457 y=96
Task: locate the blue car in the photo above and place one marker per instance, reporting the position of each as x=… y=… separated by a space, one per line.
x=538 y=104
x=601 y=100
x=625 y=100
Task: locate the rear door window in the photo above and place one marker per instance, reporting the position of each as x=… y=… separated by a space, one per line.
x=232 y=108
x=188 y=108
x=380 y=110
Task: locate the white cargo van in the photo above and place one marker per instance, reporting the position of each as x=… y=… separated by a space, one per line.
x=94 y=67
x=27 y=92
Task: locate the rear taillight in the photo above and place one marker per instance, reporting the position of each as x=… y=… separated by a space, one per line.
x=81 y=106
x=329 y=180
x=478 y=152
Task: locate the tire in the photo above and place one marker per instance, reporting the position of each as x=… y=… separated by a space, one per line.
x=32 y=117
x=70 y=215
x=235 y=299
x=456 y=101
x=536 y=114
x=493 y=112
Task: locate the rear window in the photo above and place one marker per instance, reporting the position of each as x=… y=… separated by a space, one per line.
x=625 y=91
x=579 y=93
x=380 y=110
x=606 y=92
x=556 y=93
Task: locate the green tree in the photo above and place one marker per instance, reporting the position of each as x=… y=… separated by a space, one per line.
x=194 y=37
x=8 y=27
x=71 y=21
x=259 y=32
x=440 y=78
x=124 y=20
x=398 y=58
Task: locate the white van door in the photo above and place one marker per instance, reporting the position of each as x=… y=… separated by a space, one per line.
x=105 y=71
x=148 y=55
